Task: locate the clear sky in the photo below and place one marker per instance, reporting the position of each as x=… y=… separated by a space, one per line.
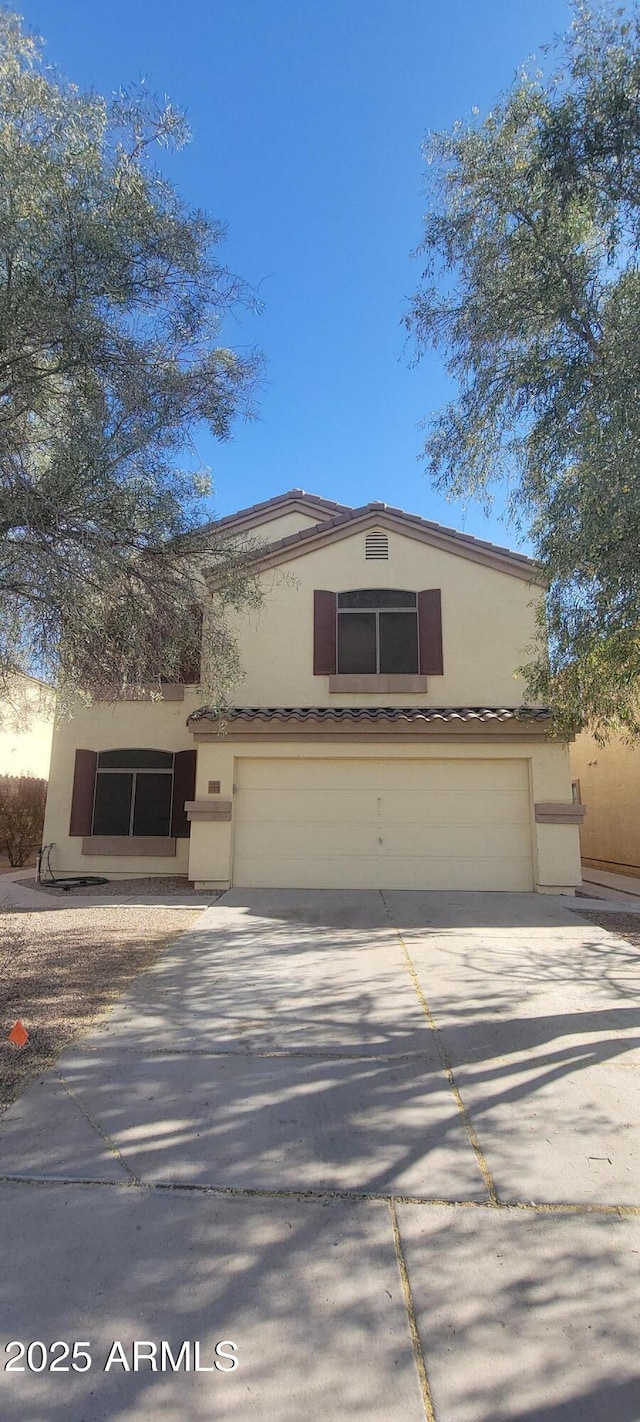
x=307 y=119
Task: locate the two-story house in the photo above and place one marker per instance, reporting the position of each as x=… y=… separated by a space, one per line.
x=377 y=739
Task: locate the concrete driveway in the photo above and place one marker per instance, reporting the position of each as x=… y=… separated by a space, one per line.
x=387 y=1145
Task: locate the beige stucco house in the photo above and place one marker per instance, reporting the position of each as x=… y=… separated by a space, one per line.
x=607 y=777
x=26 y=728
x=377 y=739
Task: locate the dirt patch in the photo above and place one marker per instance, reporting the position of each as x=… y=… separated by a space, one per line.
x=58 y=971
x=156 y=884
x=626 y=925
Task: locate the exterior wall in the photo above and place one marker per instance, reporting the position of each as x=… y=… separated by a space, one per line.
x=488 y=626
x=556 y=852
x=26 y=730
x=273 y=529
x=154 y=725
x=609 y=778
x=488 y=620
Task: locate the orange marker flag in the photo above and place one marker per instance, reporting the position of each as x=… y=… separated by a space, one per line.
x=18 y=1035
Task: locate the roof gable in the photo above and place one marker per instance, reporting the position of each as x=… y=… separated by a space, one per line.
x=293 y=501
x=348 y=521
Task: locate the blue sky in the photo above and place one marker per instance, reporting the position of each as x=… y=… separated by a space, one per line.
x=307 y=120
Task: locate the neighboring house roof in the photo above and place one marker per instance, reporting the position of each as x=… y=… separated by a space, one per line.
x=348 y=521
x=371 y=713
x=36 y=680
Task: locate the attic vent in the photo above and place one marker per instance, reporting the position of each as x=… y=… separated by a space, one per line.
x=376 y=546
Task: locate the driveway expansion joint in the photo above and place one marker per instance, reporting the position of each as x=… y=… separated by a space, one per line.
x=481 y=1160
x=306 y=1053
x=414 y=1331
x=366 y=1197
x=95 y=1126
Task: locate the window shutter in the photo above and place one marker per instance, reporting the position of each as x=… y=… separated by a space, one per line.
x=84 y=780
x=324 y=633
x=430 y=632
x=184 y=788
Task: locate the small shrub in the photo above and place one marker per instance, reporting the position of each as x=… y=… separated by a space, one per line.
x=22 y=801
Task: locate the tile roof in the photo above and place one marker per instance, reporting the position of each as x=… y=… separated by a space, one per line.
x=335 y=516
x=372 y=713
x=291 y=496
x=348 y=515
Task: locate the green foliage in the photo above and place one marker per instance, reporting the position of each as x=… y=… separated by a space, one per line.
x=111 y=301
x=532 y=289
x=22 y=802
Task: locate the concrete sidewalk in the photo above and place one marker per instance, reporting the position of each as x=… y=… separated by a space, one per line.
x=387 y=1144
x=619 y=883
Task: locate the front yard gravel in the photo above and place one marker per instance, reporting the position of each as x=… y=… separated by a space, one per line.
x=163 y=885
x=626 y=925
x=59 y=971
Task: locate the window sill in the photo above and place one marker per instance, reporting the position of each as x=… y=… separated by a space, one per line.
x=141 y=846
x=169 y=691
x=378 y=685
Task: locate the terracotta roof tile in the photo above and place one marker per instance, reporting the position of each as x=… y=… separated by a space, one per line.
x=336 y=515
x=372 y=713
x=350 y=514
x=314 y=500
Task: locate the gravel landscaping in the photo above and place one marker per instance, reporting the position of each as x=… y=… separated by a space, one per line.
x=58 y=971
x=626 y=925
x=153 y=884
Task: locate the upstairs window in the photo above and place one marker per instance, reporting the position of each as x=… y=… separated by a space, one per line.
x=367 y=632
x=377 y=632
x=133 y=792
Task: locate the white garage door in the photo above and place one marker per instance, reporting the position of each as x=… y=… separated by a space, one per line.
x=394 y=824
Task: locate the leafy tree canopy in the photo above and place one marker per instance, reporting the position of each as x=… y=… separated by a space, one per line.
x=111 y=300
x=532 y=290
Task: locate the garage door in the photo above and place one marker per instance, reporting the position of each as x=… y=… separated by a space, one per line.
x=395 y=824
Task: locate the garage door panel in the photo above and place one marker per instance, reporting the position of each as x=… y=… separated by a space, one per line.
x=371 y=807
x=361 y=872
x=286 y=805
x=382 y=823
x=464 y=841
x=337 y=872
x=295 y=841
x=457 y=806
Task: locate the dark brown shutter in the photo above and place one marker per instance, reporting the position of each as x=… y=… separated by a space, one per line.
x=324 y=633
x=430 y=632
x=184 y=788
x=84 y=780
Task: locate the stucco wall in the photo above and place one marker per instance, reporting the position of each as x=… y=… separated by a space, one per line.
x=488 y=626
x=26 y=730
x=207 y=857
x=610 y=788
x=271 y=530
x=488 y=623
x=154 y=725
x=555 y=847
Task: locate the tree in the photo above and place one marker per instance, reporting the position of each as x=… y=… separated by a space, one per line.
x=111 y=301
x=22 y=802
x=532 y=289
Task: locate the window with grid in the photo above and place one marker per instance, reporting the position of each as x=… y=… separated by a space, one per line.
x=133 y=792
x=377 y=632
